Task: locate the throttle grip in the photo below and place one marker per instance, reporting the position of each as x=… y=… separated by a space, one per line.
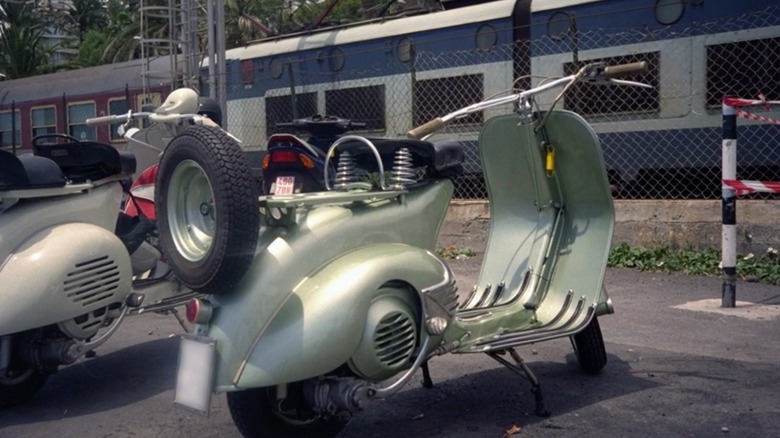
x=426 y=128
x=103 y=120
x=625 y=69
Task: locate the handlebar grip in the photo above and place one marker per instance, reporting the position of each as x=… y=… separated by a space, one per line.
x=625 y=69
x=105 y=120
x=426 y=128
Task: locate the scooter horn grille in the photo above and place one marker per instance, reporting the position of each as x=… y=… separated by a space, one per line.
x=394 y=339
x=92 y=281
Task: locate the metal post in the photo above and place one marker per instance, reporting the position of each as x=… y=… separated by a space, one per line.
x=211 y=48
x=13 y=127
x=221 y=62
x=729 y=207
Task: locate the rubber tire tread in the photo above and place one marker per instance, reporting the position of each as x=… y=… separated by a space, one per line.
x=589 y=348
x=22 y=392
x=235 y=196
x=253 y=416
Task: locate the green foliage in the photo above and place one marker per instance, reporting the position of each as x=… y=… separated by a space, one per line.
x=764 y=268
x=453 y=252
x=91 y=50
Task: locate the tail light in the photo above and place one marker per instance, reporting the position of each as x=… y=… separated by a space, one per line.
x=287 y=157
x=283 y=156
x=198 y=311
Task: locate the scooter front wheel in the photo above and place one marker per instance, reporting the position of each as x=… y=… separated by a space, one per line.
x=259 y=413
x=208 y=213
x=589 y=348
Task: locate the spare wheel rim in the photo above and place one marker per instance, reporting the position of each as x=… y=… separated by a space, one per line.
x=192 y=212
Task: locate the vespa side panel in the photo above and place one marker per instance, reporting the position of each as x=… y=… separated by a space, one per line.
x=320 y=324
x=62 y=272
x=290 y=257
x=98 y=206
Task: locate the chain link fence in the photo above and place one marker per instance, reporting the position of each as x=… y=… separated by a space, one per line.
x=659 y=143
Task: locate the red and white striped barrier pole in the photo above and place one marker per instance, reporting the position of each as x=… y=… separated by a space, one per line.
x=729 y=207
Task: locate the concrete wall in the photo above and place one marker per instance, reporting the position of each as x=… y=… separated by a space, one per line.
x=685 y=224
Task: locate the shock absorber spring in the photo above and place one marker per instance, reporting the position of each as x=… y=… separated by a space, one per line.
x=346 y=171
x=403 y=172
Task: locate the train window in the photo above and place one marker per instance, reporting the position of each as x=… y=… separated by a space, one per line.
x=280 y=109
x=44 y=120
x=744 y=69
x=361 y=104
x=78 y=113
x=117 y=106
x=10 y=129
x=486 y=37
x=435 y=97
x=593 y=99
x=405 y=49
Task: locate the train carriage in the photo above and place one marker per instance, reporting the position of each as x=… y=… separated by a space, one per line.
x=398 y=72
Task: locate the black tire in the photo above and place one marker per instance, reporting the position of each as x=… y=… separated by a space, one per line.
x=208 y=216
x=20 y=387
x=589 y=348
x=256 y=415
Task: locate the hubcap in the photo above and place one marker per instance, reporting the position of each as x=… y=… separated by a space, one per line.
x=192 y=213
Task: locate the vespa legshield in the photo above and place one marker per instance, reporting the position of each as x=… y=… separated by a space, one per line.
x=300 y=310
x=551 y=228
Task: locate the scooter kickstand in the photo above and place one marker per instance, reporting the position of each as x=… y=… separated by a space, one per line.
x=520 y=368
x=427 y=381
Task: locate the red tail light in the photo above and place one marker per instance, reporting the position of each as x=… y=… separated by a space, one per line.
x=283 y=156
x=198 y=311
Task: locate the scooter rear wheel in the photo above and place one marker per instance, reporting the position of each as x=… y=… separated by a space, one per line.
x=208 y=213
x=20 y=387
x=258 y=413
x=589 y=348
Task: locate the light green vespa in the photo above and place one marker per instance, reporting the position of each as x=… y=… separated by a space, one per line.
x=345 y=299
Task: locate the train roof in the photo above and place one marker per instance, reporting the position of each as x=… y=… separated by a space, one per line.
x=388 y=27
x=102 y=78
x=374 y=29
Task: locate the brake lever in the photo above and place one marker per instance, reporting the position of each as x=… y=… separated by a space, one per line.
x=628 y=83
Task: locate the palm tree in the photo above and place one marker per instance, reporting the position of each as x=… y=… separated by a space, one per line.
x=24 y=50
x=86 y=15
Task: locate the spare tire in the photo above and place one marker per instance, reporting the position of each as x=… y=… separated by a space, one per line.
x=208 y=216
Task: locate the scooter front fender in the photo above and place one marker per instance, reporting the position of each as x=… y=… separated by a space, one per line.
x=318 y=327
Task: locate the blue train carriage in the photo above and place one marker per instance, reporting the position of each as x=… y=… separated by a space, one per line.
x=665 y=143
x=61 y=102
x=371 y=63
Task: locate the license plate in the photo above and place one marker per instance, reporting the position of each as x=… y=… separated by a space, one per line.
x=285 y=185
x=195 y=375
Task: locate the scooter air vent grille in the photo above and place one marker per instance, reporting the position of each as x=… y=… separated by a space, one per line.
x=92 y=281
x=394 y=339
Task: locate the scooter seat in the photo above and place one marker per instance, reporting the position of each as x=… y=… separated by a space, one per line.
x=442 y=157
x=28 y=172
x=81 y=161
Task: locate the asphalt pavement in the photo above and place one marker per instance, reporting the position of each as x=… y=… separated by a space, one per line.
x=677 y=366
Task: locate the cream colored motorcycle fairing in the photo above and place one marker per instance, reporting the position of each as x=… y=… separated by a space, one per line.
x=59 y=258
x=62 y=271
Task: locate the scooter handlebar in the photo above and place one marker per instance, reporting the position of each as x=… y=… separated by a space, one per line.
x=625 y=69
x=426 y=128
x=105 y=120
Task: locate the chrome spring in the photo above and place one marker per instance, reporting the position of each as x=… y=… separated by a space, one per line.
x=403 y=173
x=346 y=171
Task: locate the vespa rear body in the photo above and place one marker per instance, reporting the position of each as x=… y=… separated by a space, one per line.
x=334 y=269
x=63 y=251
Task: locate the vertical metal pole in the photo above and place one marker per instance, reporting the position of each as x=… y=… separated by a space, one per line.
x=212 y=48
x=13 y=126
x=293 y=97
x=221 y=62
x=729 y=206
